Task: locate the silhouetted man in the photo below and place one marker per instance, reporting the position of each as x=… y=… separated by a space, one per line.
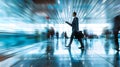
x=75 y=28
x=116 y=28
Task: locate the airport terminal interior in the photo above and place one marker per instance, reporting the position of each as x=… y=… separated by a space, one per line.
x=34 y=33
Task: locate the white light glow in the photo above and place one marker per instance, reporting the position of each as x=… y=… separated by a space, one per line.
x=58 y=1
x=104 y=1
x=41 y=14
x=36 y=51
x=61 y=52
x=21 y=27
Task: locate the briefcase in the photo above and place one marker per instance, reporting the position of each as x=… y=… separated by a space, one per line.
x=79 y=34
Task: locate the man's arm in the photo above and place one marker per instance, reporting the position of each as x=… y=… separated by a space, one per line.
x=68 y=23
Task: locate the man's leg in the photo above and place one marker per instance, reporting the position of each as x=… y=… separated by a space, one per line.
x=81 y=42
x=71 y=39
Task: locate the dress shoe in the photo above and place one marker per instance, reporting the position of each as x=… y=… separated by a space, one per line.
x=81 y=47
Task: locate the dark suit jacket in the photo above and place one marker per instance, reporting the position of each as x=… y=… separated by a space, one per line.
x=75 y=24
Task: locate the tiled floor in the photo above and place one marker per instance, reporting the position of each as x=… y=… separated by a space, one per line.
x=53 y=53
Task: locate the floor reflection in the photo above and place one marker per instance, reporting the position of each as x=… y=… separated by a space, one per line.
x=50 y=50
x=107 y=46
x=76 y=63
x=116 y=61
x=53 y=53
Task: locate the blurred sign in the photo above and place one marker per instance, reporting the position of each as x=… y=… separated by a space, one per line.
x=47 y=17
x=44 y=1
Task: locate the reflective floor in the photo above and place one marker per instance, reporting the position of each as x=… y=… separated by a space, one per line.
x=53 y=53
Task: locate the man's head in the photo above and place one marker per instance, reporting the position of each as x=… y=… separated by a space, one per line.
x=74 y=14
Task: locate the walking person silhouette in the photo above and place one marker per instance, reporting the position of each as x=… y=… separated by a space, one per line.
x=75 y=28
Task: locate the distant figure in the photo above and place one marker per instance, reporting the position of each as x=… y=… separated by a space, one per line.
x=65 y=34
x=62 y=35
x=50 y=33
x=85 y=34
x=37 y=37
x=75 y=28
x=107 y=33
x=57 y=35
x=116 y=28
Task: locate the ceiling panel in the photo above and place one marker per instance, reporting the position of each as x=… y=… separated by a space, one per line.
x=59 y=11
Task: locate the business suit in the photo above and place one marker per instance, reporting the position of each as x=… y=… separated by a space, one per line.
x=75 y=28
